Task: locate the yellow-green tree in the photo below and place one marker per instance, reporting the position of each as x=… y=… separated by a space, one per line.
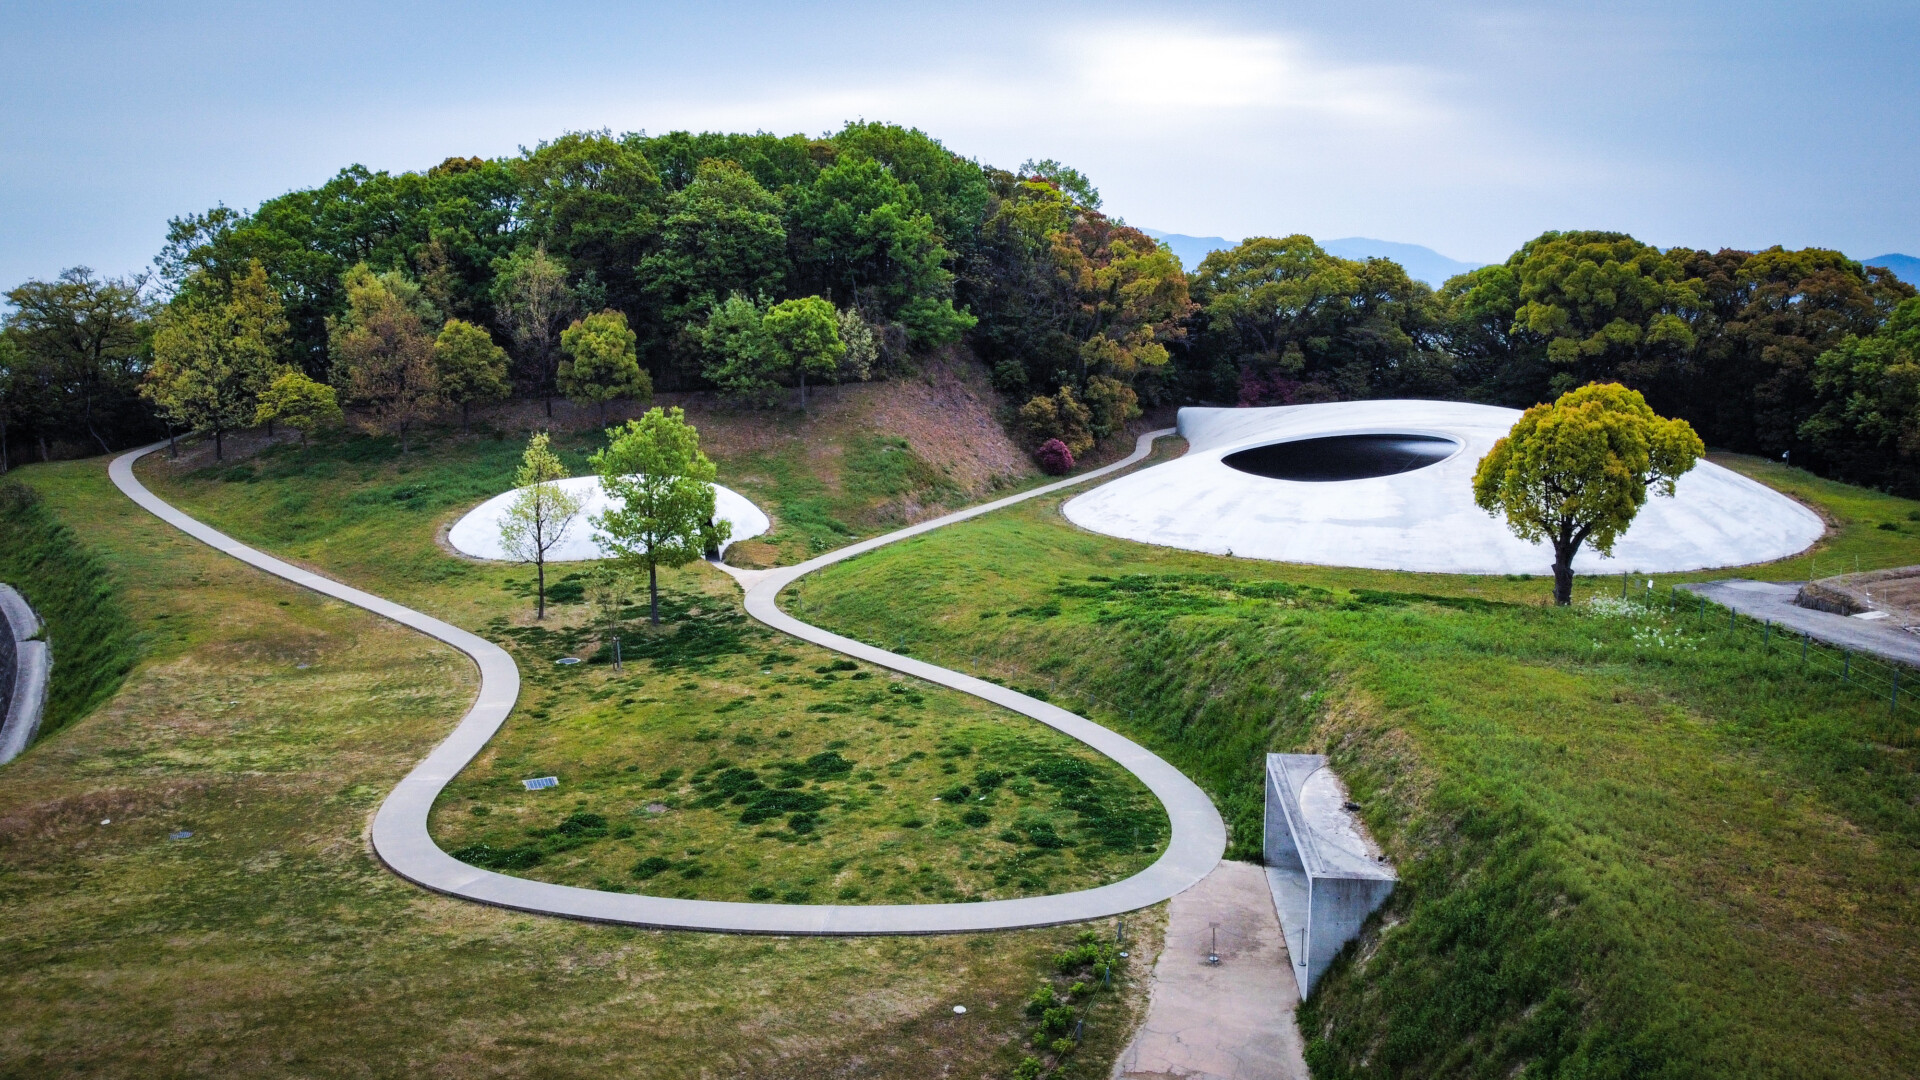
x=298 y=402
x=541 y=514
x=1577 y=471
x=471 y=367
x=601 y=364
x=213 y=357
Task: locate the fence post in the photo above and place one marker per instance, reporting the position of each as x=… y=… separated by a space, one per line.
x=1893 y=701
x=1623 y=584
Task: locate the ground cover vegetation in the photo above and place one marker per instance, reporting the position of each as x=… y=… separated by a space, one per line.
x=603 y=268
x=1632 y=842
x=723 y=761
x=187 y=889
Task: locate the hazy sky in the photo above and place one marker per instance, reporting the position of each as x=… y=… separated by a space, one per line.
x=1468 y=128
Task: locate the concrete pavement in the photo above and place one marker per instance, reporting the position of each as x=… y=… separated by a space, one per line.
x=1773 y=601
x=1230 y=1021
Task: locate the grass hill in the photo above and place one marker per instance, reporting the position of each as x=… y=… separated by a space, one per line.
x=1632 y=844
x=185 y=885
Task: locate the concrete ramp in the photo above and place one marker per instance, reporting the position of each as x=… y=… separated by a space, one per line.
x=24 y=667
x=1326 y=872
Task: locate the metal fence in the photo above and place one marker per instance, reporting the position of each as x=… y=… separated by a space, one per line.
x=1893 y=682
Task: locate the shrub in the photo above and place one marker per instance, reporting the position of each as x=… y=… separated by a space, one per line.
x=1028 y=1069
x=582 y=823
x=975 y=818
x=651 y=866
x=1059 y=417
x=837 y=665
x=1057 y=1019
x=759 y=892
x=1041 y=1000
x=487 y=857
x=1054 y=457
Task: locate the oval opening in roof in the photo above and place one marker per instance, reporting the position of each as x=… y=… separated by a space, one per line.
x=1342 y=457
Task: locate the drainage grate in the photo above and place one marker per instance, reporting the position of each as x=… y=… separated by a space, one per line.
x=540 y=783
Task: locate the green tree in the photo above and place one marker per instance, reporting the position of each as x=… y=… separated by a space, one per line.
x=861 y=233
x=15 y=388
x=541 y=513
x=1868 y=387
x=298 y=402
x=88 y=336
x=737 y=355
x=1602 y=305
x=1577 y=471
x=863 y=347
x=471 y=367
x=601 y=365
x=533 y=303
x=805 y=338
x=212 y=359
x=661 y=488
x=383 y=352
x=723 y=233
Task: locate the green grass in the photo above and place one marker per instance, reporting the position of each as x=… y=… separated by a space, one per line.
x=74 y=595
x=731 y=709
x=269 y=722
x=1631 y=845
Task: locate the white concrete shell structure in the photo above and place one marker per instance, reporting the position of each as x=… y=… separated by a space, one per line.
x=27 y=664
x=1423 y=519
x=477 y=533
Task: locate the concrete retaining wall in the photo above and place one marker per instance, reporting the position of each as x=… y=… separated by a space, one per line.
x=23 y=686
x=1326 y=873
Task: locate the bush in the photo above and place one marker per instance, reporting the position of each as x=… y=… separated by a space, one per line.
x=1054 y=458
x=1059 y=417
x=1041 y=1000
x=759 y=892
x=487 y=857
x=651 y=866
x=975 y=818
x=1028 y=1069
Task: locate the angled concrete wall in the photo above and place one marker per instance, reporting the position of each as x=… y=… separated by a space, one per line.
x=1326 y=873
x=23 y=687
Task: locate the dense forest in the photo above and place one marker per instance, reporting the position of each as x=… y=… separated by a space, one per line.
x=602 y=267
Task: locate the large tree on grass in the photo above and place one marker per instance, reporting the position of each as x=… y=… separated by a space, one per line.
x=662 y=489
x=472 y=368
x=541 y=513
x=805 y=339
x=533 y=302
x=383 y=351
x=601 y=363
x=213 y=357
x=1577 y=471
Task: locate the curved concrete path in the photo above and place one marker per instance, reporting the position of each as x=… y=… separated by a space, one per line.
x=400 y=827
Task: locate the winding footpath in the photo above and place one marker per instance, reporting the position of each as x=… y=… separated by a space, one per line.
x=401 y=840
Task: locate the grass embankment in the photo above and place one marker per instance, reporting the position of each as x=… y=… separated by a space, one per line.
x=725 y=761
x=1630 y=845
x=73 y=593
x=269 y=723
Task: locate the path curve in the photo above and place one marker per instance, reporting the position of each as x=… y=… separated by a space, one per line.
x=400 y=834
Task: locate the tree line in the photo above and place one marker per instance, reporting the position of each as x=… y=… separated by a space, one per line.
x=601 y=267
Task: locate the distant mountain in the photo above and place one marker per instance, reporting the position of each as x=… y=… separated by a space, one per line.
x=1421 y=263
x=1190 y=249
x=1904 y=267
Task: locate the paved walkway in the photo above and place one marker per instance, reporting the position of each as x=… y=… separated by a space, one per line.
x=400 y=827
x=1773 y=601
x=1230 y=1021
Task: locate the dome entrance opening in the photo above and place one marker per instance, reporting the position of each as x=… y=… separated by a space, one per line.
x=1342 y=457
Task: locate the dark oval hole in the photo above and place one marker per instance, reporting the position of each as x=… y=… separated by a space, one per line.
x=1342 y=457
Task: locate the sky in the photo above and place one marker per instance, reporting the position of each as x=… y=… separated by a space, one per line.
x=1468 y=128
